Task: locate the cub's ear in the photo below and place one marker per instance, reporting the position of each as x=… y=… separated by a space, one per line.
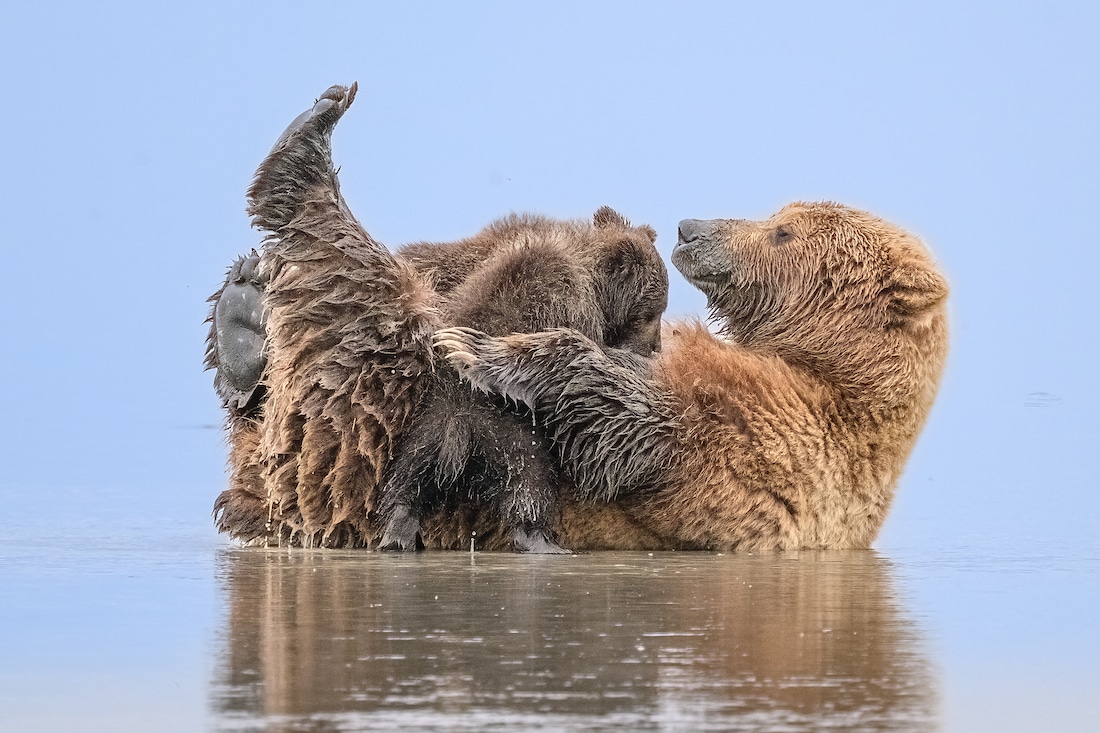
x=914 y=290
x=605 y=217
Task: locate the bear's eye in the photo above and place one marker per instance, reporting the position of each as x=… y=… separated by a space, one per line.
x=783 y=235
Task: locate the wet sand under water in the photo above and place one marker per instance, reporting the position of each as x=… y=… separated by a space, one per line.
x=119 y=632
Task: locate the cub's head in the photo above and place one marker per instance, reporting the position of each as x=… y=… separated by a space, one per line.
x=631 y=282
x=812 y=278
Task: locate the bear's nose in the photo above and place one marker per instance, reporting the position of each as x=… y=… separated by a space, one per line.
x=693 y=229
x=690 y=230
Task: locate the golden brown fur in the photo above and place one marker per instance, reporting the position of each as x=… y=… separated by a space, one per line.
x=787 y=430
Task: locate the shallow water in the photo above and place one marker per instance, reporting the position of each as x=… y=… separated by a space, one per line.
x=646 y=642
x=160 y=624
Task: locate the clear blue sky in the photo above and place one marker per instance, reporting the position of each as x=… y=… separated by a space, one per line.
x=131 y=132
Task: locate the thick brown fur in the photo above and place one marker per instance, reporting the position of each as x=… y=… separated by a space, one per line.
x=789 y=429
x=349 y=359
x=348 y=349
x=603 y=278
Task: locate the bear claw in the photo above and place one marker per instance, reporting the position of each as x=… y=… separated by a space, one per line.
x=458 y=345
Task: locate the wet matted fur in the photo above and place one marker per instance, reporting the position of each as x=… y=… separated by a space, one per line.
x=788 y=429
x=351 y=383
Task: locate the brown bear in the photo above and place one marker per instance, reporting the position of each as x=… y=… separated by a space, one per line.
x=786 y=429
x=355 y=425
x=605 y=279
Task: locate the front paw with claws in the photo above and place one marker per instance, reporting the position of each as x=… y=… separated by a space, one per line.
x=461 y=346
x=488 y=363
x=531 y=368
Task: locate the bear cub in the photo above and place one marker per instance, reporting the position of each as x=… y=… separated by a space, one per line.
x=604 y=279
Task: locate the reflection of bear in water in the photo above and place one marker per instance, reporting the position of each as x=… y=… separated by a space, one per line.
x=806 y=641
x=351 y=381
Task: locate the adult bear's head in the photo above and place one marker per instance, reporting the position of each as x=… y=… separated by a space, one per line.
x=815 y=282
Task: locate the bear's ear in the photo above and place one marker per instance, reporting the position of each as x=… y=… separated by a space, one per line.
x=606 y=217
x=914 y=290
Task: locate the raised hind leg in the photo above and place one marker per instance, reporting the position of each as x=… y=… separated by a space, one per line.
x=348 y=329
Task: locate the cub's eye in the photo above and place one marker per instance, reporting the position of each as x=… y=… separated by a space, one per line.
x=783 y=235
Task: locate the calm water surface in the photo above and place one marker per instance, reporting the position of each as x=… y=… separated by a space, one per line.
x=328 y=641
x=158 y=624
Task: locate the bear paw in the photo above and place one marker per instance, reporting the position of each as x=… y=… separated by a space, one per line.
x=536 y=542
x=494 y=365
x=238 y=336
x=402 y=532
x=471 y=352
x=322 y=117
